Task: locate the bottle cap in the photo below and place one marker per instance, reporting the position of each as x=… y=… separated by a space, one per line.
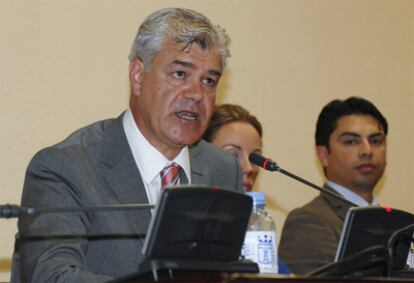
x=259 y=198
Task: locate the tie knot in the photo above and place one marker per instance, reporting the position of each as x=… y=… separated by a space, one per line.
x=170 y=175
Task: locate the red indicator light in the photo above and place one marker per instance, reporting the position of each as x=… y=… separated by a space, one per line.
x=387 y=209
x=215 y=188
x=265 y=163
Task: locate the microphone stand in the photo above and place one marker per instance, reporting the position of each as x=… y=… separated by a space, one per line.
x=270 y=165
x=322 y=190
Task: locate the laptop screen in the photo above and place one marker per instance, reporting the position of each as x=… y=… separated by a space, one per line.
x=366 y=227
x=198 y=222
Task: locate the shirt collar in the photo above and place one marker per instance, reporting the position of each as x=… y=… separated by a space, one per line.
x=148 y=159
x=351 y=196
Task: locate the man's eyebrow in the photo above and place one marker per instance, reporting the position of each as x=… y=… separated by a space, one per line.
x=192 y=66
x=356 y=135
x=378 y=134
x=352 y=134
x=215 y=73
x=183 y=63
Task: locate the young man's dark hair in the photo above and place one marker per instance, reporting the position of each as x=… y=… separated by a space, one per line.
x=336 y=109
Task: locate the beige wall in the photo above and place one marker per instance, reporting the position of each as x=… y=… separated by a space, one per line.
x=63 y=64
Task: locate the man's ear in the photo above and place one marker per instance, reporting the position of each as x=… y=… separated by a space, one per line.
x=136 y=71
x=323 y=155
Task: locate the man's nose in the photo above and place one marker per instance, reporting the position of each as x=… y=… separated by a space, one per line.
x=366 y=149
x=194 y=91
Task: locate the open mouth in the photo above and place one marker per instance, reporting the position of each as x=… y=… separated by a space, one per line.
x=189 y=116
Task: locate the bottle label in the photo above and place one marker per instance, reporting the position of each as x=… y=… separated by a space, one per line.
x=260 y=247
x=410 y=259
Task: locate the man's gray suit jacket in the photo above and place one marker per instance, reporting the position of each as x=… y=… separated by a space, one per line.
x=311 y=233
x=94 y=166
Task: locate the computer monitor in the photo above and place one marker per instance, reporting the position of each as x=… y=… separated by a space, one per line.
x=198 y=222
x=374 y=241
x=195 y=228
x=368 y=227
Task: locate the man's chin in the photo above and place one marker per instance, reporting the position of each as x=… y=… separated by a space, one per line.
x=189 y=137
x=187 y=140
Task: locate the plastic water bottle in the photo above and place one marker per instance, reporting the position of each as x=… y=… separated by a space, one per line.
x=260 y=240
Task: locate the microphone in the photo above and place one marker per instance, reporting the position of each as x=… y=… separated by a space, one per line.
x=263 y=162
x=270 y=165
x=13 y=211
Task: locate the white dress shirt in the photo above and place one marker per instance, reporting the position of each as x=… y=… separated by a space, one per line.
x=351 y=196
x=149 y=160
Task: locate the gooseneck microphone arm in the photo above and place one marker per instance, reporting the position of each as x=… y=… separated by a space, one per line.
x=12 y=210
x=270 y=165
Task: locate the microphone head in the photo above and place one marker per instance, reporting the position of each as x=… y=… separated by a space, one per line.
x=263 y=162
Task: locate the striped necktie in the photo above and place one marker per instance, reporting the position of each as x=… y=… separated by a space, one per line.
x=170 y=175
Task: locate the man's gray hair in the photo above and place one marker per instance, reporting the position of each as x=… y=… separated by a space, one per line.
x=181 y=25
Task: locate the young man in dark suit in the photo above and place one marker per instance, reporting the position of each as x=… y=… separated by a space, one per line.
x=351 y=147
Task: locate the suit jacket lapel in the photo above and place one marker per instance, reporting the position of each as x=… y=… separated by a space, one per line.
x=340 y=208
x=122 y=174
x=199 y=170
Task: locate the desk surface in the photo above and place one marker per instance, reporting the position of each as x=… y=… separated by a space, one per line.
x=246 y=278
